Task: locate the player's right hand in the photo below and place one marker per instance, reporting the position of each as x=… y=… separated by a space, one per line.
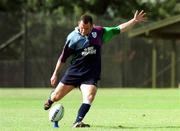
x=53 y=80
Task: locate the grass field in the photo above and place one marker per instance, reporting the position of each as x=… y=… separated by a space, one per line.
x=112 y=110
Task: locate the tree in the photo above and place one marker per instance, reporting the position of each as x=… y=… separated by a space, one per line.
x=112 y=8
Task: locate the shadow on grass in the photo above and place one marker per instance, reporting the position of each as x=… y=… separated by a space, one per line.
x=129 y=127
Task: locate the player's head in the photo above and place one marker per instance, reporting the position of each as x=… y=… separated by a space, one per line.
x=85 y=24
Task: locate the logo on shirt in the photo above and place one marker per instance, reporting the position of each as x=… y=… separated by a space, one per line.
x=88 y=50
x=94 y=34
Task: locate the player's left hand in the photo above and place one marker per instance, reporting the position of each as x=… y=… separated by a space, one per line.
x=140 y=16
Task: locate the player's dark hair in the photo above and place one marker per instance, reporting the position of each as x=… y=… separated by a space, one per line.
x=86 y=19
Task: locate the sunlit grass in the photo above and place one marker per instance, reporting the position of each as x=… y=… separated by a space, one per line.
x=112 y=110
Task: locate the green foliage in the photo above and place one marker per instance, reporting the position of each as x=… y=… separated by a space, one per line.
x=111 y=8
x=160 y=10
x=11 y=5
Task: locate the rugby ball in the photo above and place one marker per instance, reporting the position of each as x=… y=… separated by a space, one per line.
x=56 y=113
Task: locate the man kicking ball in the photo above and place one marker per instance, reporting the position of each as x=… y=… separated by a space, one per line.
x=84 y=45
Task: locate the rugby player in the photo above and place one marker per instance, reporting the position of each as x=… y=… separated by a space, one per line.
x=84 y=45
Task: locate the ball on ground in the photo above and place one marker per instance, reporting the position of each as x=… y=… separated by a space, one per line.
x=56 y=112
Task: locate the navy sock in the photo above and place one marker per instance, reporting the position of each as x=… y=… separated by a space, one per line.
x=82 y=112
x=50 y=101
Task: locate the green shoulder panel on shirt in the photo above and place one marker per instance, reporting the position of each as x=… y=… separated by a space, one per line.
x=109 y=33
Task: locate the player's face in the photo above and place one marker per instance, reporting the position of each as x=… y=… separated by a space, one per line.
x=84 y=29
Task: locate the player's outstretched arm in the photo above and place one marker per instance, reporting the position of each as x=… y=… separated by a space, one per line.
x=138 y=17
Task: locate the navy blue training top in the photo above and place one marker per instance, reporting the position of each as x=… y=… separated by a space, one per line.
x=85 y=52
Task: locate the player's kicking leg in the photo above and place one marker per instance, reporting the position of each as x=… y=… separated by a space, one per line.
x=60 y=91
x=88 y=92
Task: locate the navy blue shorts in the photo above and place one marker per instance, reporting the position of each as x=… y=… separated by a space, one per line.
x=75 y=81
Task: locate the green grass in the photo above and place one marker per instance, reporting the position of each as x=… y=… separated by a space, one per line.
x=112 y=110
